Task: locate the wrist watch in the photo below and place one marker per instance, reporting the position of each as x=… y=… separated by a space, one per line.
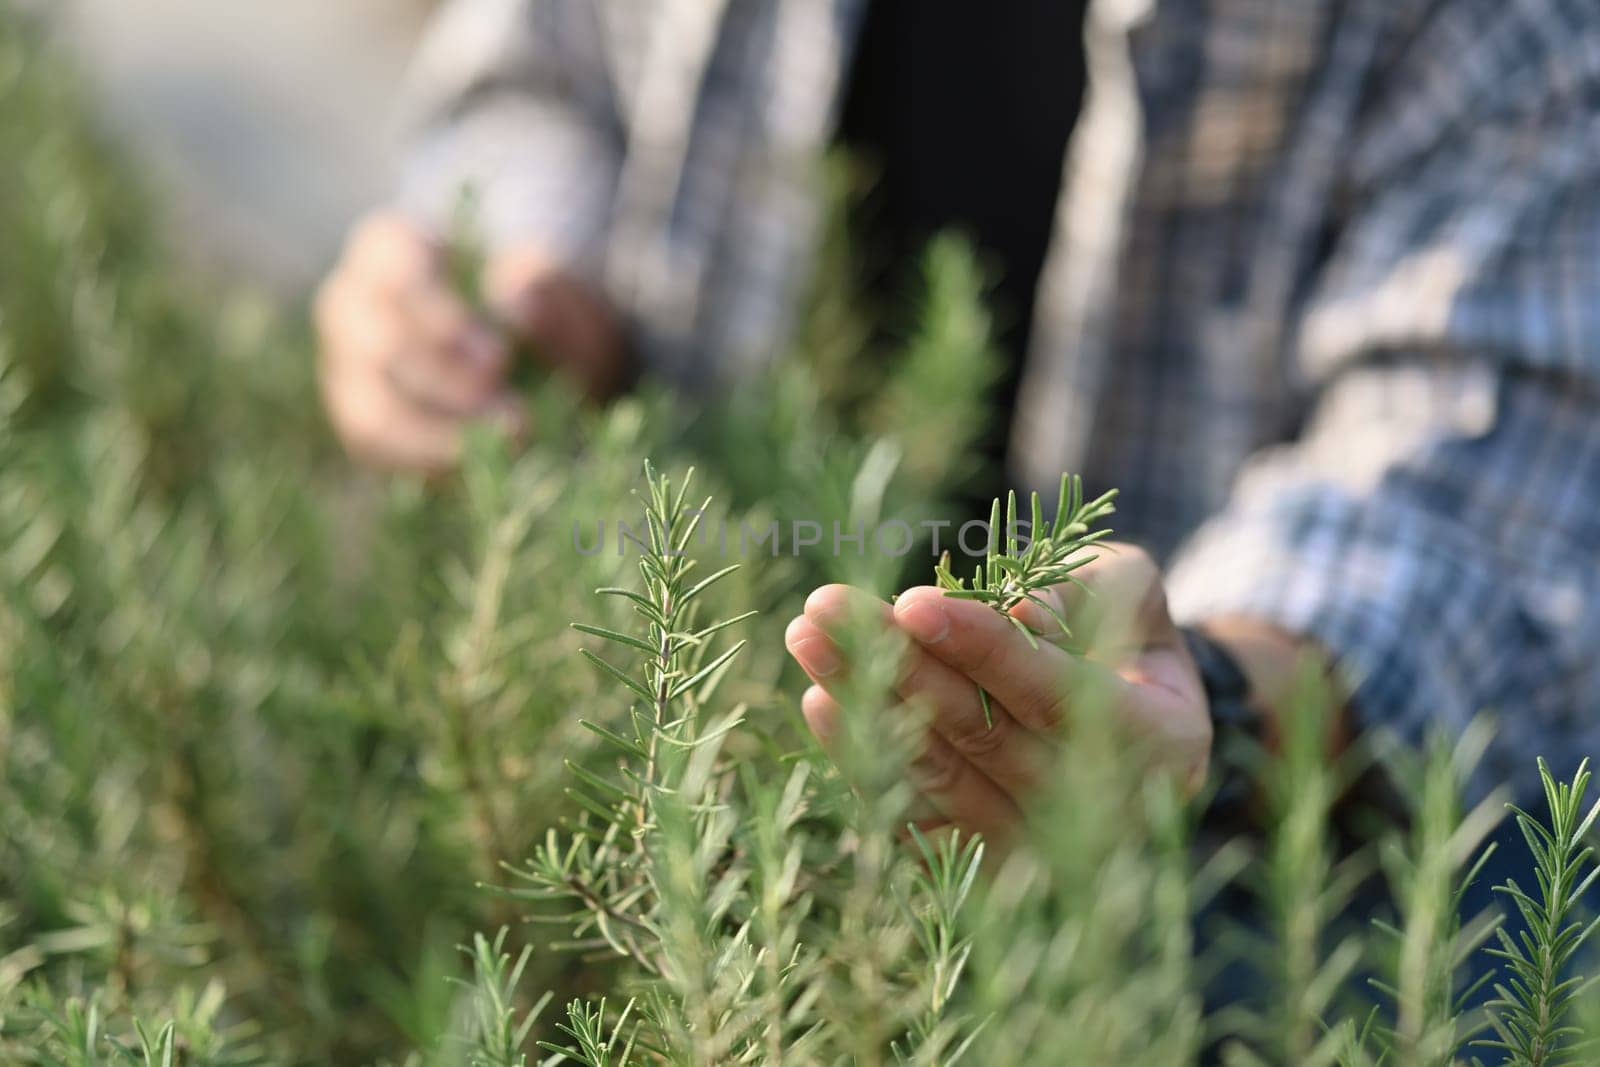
x=1235 y=725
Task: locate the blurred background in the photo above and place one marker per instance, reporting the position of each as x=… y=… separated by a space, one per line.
x=268 y=721
x=267 y=124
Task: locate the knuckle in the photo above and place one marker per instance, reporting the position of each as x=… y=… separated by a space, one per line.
x=1045 y=711
x=353 y=324
x=1043 y=707
x=1135 y=555
x=937 y=771
x=983 y=656
x=381 y=230
x=388 y=248
x=977 y=739
x=911 y=678
x=512 y=271
x=1155 y=602
x=1120 y=562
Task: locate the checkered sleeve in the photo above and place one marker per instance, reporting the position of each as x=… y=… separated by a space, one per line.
x=512 y=99
x=1437 y=526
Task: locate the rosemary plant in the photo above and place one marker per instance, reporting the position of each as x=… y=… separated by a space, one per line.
x=1529 y=1013
x=1303 y=961
x=465 y=249
x=945 y=881
x=1020 y=566
x=606 y=869
x=466 y=265
x=595 y=1041
x=264 y=723
x=1429 y=875
x=498 y=1032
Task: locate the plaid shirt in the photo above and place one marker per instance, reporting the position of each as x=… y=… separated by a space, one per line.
x=1323 y=296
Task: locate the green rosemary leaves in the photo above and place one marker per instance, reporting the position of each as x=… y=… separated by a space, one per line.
x=1021 y=564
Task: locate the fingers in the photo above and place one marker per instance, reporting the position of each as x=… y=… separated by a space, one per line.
x=980 y=775
x=978 y=642
x=821 y=713
x=379 y=428
x=817 y=655
x=404 y=364
x=1145 y=678
x=955 y=790
x=389 y=251
x=1010 y=756
x=832 y=608
x=1013 y=758
x=445 y=360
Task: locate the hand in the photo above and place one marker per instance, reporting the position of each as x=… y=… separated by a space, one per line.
x=406 y=365
x=980 y=778
x=565 y=322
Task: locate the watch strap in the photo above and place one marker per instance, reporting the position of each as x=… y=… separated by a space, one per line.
x=1236 y=725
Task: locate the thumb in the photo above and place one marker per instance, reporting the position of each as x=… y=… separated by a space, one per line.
x=516 y=287
x=565 y=323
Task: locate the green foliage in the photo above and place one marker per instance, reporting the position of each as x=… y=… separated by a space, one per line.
x=937 y=396
x=276 y=735
x=266 y=724
x=595 y=1042
x=1011 y=575
x=1529 y=1015
x=498 y=1033
x=697 y=876
x=1082 y=946
x=1429 y=875
x=1303 y=884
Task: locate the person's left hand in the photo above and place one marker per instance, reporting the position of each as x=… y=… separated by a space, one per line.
x=979 y=777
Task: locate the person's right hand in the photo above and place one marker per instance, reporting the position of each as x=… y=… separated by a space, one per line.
x=405 y=363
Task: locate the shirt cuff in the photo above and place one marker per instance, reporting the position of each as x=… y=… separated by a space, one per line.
x=1420 y=623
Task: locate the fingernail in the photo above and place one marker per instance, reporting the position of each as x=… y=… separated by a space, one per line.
x=924 y=620
x=818 y=714
x=817 y=656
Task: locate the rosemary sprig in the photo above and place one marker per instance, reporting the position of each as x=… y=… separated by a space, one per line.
x=1045 y=557
x=1529 y=1014
x=466 y=266
x=466 y=249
